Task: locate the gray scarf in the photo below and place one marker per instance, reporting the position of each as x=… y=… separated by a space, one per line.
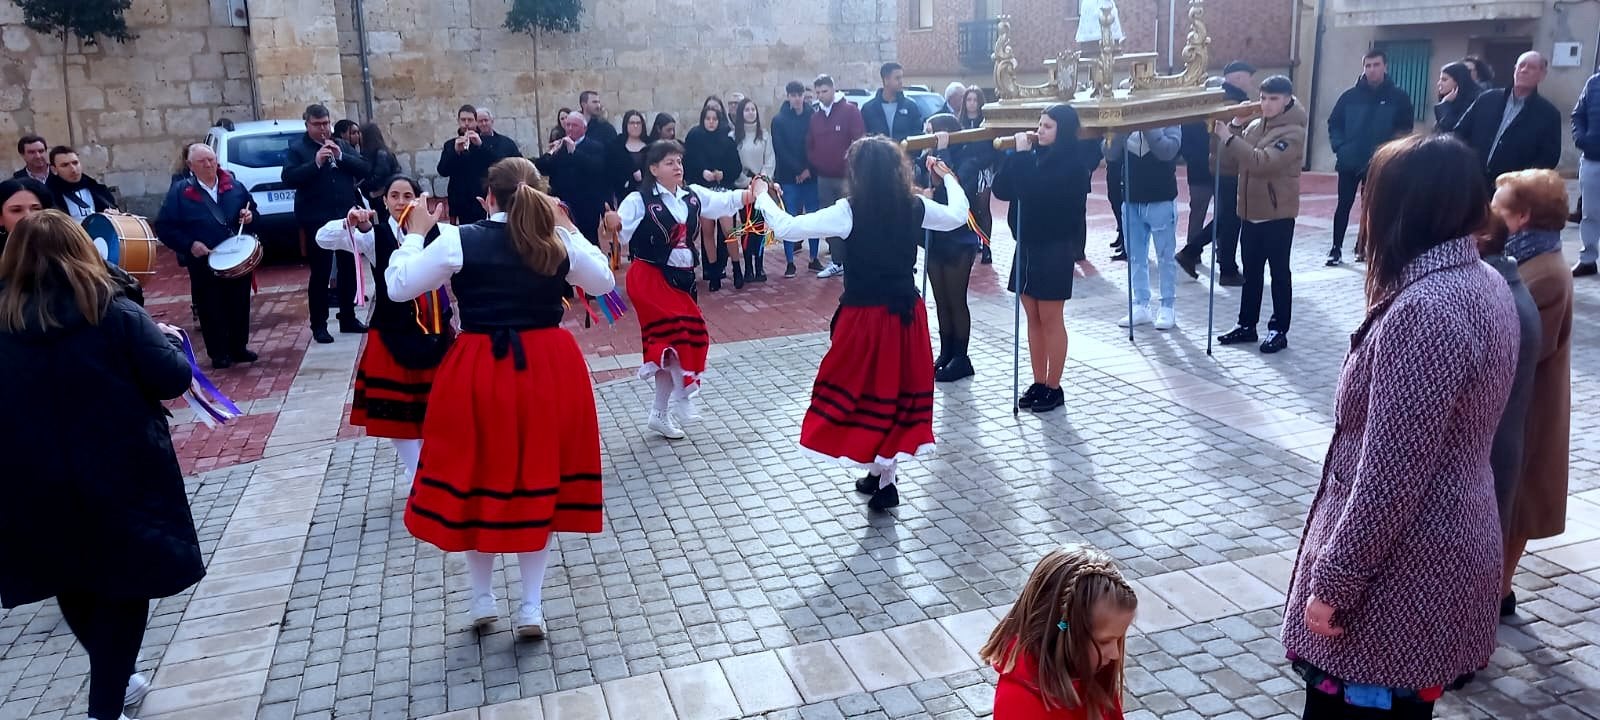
x=1529 y=244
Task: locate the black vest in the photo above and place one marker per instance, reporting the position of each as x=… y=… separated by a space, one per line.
x=653 y=241
x=388 y=315
x=883 y=260
x=1151 y=180
x=496 y=288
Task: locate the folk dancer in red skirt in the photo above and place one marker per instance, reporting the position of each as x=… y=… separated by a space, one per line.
x=406 y=341
x=511 y=443
x=872 y=404
x=658 y=224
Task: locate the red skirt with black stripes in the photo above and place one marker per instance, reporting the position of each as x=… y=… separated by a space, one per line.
x=391 y=399
x=873 y=398
x=670 y=325
x=508 y=456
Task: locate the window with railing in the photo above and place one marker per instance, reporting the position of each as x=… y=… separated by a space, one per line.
x=921 y=14
x=975 y=43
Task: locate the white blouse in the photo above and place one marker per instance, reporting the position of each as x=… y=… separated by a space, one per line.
x=837 y=220
x=334 y=236
x=714 y=205
x=415 y=269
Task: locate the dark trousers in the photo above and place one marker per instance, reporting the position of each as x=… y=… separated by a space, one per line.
x=1321 y=706
x=1267 y=243
x=1114 y=193
x=949 y=272
x=1349 y=184
x=110 y=630
x=1199 y=205
x=222 y=307
x=1226 y=224
x=322 y=266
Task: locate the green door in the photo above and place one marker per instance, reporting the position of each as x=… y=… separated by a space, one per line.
x=1411 y=69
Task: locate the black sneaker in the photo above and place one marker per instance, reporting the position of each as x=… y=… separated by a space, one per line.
x=789 y=271
x=714 y=284
x=1031 y=395
x=1239 y=335
x=760 y=274
x=1275 y=341
x=1508 y=605
x=244 y=356
x=1190 y=265
x=738 y=277
x=867 y=485
x=1335 y=258
x=1121 y=256
x=1230 y=279
x=884 y=498
x=958 y=368
x=987 y=256
x=1117 y=243
x=351 y=326
x=321 y=335
x=815 y=265
x=1050 y=399
x=222 y=362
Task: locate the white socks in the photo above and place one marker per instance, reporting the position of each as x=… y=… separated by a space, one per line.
x=885 y=473
x=480 y=570
x=410 y=452
x=663 y=390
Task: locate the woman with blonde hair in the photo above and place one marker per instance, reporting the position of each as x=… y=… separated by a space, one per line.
x=511 y=442
x=103 y=532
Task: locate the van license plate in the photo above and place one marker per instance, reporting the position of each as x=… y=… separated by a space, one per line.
x=280 y=196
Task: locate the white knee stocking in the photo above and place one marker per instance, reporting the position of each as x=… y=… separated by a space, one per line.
x=410 y=452
x=533 y=566
x=663 y=390
x=480 y=570
x=885 y=473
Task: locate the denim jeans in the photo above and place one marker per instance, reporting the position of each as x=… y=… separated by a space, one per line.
x=801 y=198
x=1589 y=229
x=1144 y=221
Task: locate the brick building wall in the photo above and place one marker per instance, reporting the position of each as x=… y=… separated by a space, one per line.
x=1258 y=31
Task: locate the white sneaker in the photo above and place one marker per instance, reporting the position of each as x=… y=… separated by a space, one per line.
x=530 y=622
x=484 y=611
x=1166 y=318
x=831 y=270
x=684 y=412
x=1141 y=316
x=665 y=426
x=138 y=687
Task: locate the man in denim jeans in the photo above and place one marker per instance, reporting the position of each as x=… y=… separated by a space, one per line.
x=1149 y=213
x=793 y=171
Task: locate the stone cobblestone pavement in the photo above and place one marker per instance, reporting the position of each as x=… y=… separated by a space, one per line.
x=739 y=578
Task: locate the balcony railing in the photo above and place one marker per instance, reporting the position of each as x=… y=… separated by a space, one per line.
x=976 y=43
x=1368 y=13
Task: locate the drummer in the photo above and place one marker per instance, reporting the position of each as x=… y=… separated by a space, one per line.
x=199 y=213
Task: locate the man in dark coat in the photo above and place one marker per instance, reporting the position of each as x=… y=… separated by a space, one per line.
x=76 y=193
x=200 y=212
x=790 y=125
x=324 y=172
x=465 y=161
x=1514 y=128
x=1236 y=76
x=499 y=146
x=35 y=158
x=891 y=113
x=576 y=166
x=1586 y=137
x=1370 y=114
x=599 y=129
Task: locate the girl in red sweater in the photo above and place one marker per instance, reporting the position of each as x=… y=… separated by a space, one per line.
x=1059 y=650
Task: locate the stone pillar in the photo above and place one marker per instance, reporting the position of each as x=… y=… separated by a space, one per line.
x=295 y=48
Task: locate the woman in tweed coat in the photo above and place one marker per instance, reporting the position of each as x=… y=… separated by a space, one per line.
x=1395 y=589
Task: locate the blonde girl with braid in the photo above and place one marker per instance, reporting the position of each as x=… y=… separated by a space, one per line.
x=1059 y=651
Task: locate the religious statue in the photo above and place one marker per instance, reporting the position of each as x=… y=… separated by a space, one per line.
x=1089 y=13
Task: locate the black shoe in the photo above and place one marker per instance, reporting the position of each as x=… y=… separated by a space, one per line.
x=1585 y=269
x=1117 y=243
x=244 y=356
x=815 y=265
x=944 y=359
x=788 y=270
x=1335 y=258
x=1508 y=605
x=351 y=326
x=321 y=335
x=957 y=369
x=1050 y=399
x=1361 y=257
x=1121 y=256
x=738 y=277
x=714 y=284
x=1031 y=395
x=1230 y=279
x=1190 y=265
x=760 y=274
x=221 y=363
x=884 y=498
x=987 y=256
x=1239 y=335
x=867 y=485
x=1275 y=341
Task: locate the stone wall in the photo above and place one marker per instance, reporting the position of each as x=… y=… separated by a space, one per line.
x=132 y=106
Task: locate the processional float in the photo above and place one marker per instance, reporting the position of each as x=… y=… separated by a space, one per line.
x=1087 y=80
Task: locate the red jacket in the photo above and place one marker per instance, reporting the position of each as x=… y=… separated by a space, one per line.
x=1017 y=697
x=830 y=136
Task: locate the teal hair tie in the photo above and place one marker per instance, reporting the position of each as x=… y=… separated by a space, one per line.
x=1062 y=625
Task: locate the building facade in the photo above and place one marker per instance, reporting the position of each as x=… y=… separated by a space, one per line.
x=130 y=108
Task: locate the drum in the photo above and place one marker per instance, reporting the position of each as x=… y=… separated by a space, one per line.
x=124 y=240
x=235 y=257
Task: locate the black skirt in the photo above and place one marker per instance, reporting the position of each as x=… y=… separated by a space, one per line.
x=1046 y=271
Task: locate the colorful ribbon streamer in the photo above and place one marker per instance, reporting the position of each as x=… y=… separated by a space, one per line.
x=361 y=270
x=972 y=222
x=210 y=406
